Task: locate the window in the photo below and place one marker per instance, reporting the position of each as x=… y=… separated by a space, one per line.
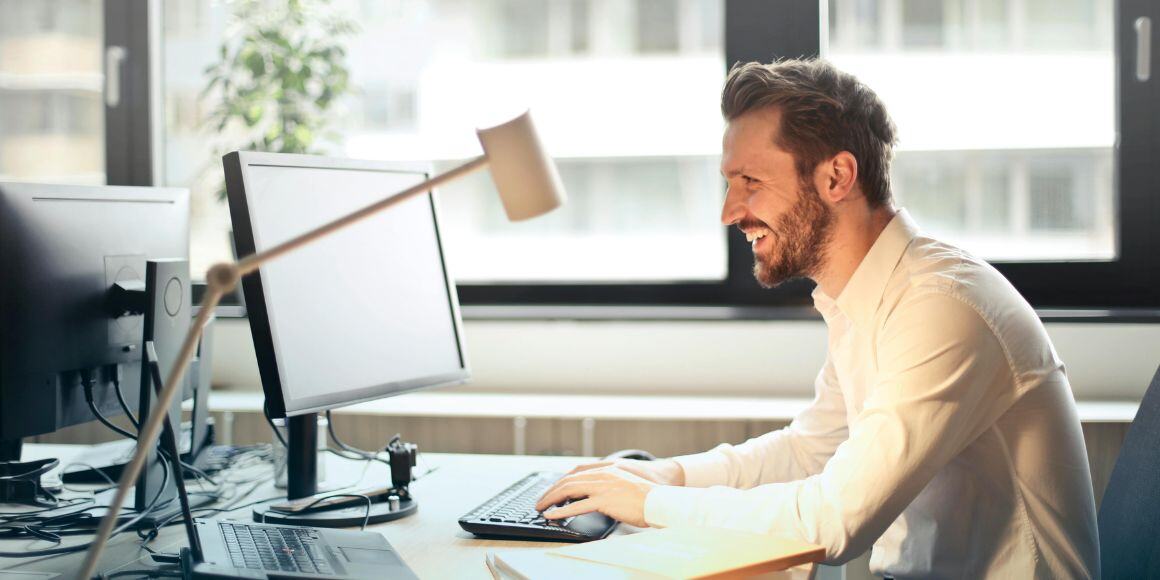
x=656 y=26
x=1019 y=130
x=629 y=109
x=524 y=32
x=968 y=80
x=922 y=23
x=1024 y=132
x=51 y=110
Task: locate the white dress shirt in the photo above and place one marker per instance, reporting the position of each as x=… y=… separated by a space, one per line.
x=943 y=433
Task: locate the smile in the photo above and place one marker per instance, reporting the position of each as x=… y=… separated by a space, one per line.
x=755 y=235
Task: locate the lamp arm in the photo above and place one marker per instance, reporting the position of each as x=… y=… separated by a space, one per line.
x=221 y=279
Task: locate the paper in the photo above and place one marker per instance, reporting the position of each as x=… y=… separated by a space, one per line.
x=696 y=552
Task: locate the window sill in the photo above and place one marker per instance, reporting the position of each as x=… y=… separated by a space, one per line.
x=604 y=407
x=728 y=313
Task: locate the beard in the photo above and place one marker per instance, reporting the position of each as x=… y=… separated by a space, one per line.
x=800 y=237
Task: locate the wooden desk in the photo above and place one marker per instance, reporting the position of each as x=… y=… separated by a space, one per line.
x=431 y=541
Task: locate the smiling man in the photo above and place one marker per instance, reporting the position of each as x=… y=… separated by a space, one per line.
x=943 y=433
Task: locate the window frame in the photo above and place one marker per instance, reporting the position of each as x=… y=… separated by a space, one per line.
x=764 y=30
x=132 y=127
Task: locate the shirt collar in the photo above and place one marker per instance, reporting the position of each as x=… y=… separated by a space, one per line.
x=860 y=298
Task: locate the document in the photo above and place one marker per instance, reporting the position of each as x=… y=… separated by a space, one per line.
x=679 y=552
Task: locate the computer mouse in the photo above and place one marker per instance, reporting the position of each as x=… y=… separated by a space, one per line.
x=630 y=454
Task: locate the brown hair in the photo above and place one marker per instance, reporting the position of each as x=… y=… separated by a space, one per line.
x=824 y=111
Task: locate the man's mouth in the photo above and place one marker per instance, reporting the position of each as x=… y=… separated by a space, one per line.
x=757 y=234
x=755 y=231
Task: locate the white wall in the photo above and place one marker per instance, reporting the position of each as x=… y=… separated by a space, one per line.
x=1104 y=361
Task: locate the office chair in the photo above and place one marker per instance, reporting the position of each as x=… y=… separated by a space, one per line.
x=1129 y=518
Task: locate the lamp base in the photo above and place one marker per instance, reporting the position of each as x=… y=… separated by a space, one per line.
x=350 y=515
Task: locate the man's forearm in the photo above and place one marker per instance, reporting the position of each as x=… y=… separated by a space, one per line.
x=672 y=472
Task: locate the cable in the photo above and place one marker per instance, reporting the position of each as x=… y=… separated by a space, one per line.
x=35 y=525
x=88 y=385
x=77 y=501
x=124 y=405
x=273 y=427
x=105 y=421
x=362 y=453
x=237 y=459
x=366 y=518
x=341 y=444
x=96 y=470
x=116 y=531
x=152 y=533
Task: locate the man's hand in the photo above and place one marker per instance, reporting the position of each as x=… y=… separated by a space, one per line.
x=662 y=471
x=609 y=490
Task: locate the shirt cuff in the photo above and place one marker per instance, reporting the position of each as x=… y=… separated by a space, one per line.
x=669 y=505
x=705 y=469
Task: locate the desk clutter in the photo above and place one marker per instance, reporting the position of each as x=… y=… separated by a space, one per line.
x=240 y=478
x=684 y=552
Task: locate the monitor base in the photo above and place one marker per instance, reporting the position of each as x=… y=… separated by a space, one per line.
x=350 y=515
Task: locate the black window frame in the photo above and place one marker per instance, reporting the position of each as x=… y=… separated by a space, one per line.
x=764 y=30
x=130 y=155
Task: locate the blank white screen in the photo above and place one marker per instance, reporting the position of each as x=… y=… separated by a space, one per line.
x=367 y=305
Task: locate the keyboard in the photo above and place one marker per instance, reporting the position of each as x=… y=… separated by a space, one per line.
x=275 y=548
x=512 y=514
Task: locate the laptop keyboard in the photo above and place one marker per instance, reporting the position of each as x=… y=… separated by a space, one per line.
x=275 y=548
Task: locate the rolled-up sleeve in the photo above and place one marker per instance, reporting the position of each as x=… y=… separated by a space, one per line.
x=942 y=378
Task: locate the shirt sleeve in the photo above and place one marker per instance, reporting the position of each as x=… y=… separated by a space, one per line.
x=942 y=379
x=797 y=451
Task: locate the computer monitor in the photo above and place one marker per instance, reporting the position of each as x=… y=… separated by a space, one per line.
x=62 y=248
x=368 y=312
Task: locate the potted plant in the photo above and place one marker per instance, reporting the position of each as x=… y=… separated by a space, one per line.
x=280 y=76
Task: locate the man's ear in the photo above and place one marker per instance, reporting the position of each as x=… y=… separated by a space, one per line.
x=839 y=177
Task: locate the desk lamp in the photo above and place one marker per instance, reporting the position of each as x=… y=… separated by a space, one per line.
x=528 y=185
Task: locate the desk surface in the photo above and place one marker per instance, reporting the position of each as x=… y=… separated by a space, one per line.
x=431 y=541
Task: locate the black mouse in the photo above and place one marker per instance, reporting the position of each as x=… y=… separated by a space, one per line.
x=630 y=454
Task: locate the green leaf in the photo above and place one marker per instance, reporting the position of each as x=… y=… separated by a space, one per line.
x=280 y=73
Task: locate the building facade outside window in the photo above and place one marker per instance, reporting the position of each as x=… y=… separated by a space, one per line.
x=992 y=152
x=51 y=83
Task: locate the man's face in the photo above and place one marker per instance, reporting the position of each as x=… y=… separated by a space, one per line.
x=782 y=216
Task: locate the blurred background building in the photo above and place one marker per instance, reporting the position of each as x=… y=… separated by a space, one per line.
x=1005 y=109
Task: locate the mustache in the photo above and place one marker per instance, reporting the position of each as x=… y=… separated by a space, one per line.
x=750 y=224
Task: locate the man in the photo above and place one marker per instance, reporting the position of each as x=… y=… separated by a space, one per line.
x=943 y=433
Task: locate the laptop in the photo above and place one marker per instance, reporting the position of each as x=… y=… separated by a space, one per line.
x=235 y=549
x=231 y=549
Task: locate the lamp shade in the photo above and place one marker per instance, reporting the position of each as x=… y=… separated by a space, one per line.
x=524 y=174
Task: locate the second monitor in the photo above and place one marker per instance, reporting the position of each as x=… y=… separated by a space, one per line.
x=370 y=312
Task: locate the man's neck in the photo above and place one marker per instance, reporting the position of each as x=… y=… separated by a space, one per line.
x=852 y=239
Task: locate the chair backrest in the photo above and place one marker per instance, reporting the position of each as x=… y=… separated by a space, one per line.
x=1129 y=518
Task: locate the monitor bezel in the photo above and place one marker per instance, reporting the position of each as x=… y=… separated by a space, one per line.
x=278 y=403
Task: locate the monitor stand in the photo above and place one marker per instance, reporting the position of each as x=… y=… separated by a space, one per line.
x=10 y=449
x=302 y=481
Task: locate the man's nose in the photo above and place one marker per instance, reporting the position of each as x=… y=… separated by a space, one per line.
x=733 y=210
